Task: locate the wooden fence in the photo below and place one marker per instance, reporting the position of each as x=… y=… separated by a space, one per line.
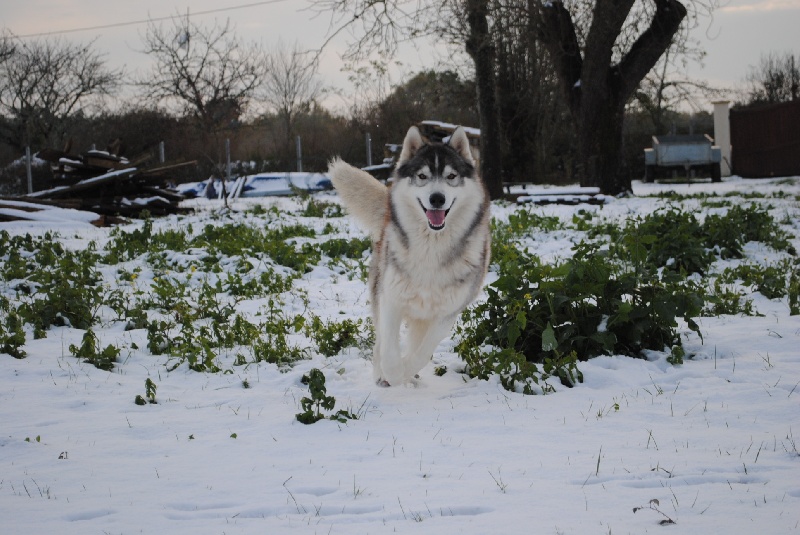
x=766 y=140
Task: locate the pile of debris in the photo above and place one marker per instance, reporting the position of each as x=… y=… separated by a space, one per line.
x=106 y=184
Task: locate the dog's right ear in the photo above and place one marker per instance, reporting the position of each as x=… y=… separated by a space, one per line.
x=411 y=145
x=460 y=142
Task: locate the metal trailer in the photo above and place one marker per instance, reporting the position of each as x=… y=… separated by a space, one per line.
x=692 y=152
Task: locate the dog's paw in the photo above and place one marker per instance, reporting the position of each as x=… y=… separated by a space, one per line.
x=383 y=383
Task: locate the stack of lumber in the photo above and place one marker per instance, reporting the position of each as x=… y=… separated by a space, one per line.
x=105 y=184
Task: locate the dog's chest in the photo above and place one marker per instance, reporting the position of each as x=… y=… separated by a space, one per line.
x=431 y=277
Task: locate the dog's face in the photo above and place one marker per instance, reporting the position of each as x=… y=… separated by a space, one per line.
x=436 y=174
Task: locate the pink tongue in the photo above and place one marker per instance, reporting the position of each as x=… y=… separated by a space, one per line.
x=436 y=217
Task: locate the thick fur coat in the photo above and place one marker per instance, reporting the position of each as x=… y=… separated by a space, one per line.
x=431 y=241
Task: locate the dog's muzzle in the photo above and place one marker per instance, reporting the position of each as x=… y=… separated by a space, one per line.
x=436 y=214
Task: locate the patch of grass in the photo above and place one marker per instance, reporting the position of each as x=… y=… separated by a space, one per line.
x=62 y=288
x=322 y=209
x=332 y=337
x=772 y=281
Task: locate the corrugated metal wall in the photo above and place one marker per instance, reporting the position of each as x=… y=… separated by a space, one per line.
x=766 y=140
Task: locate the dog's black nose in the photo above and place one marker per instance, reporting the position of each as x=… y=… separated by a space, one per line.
x=437 y=200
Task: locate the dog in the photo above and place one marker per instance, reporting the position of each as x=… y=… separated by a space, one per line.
x=430 y=246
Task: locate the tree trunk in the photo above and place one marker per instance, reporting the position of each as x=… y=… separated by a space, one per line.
x=480 y=48
x=600 y=147
x=597 y=90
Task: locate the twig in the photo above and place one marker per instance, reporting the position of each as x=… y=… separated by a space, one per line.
x=654 y=506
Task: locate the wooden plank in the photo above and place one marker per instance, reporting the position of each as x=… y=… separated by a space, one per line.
x=168 y=194
x=88 y=184
x=53 y=155
x=160 y=170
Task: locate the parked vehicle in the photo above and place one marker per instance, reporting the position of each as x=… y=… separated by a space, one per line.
x=688 y=152
x=259 y=185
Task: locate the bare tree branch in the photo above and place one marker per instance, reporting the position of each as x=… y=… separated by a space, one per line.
x=650 y=45
x=290 y=84
x=205 y=70
x=44 y=82
x=775 y=79
x=560 y=38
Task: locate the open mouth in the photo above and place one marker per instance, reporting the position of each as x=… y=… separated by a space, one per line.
x=435 y=217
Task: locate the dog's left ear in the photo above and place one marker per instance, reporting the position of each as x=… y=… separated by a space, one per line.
x=460 y=142
x=411 y=145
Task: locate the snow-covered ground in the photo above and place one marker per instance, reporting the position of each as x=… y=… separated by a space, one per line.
x=716 y=441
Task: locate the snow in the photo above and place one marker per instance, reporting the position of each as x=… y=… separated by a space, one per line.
x=43 y=214
x=714 y=440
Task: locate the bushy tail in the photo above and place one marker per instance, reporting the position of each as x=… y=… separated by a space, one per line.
x=363 y=195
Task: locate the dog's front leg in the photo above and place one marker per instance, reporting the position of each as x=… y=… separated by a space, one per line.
x=423 y=337
x=386 y=357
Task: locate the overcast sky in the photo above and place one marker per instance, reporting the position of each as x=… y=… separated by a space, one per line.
x=735 y=38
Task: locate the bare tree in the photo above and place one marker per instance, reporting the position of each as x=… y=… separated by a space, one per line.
x=290 y=84
x=481 y=49
x=7 y=46
x=379 y=26
x=45 y=82
x=775 y=79
x=206 y=71
x=667 y=86
x=596 y=84
x=600 y=52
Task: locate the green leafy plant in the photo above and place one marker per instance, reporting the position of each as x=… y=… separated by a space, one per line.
x=333 y=336
x=319 y=400
x=668 y=238
x=90 y=352
x=61 y=287
x=724 y=298
x=538 y=319
x=193 y=345
x=149 y=393
x=12 y=335
x=773 y=281
x=728 y=233
x=794 y=293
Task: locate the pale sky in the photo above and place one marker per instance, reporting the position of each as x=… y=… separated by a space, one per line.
x=741 y=32
x=735 y=38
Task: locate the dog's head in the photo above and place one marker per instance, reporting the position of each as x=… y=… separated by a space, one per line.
x=435 y=174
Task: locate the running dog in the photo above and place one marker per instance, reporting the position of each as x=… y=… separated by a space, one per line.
x=430 y=246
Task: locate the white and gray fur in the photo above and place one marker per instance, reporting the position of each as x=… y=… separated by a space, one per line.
x=430 y=234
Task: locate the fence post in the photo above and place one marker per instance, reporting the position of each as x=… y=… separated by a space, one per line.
x=369 y=150
x=161 y=158
x=299 y=155
x=28 y=169
x=227 y=177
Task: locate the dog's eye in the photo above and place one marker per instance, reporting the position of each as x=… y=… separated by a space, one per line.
x=422 y=176
x=451 y=176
